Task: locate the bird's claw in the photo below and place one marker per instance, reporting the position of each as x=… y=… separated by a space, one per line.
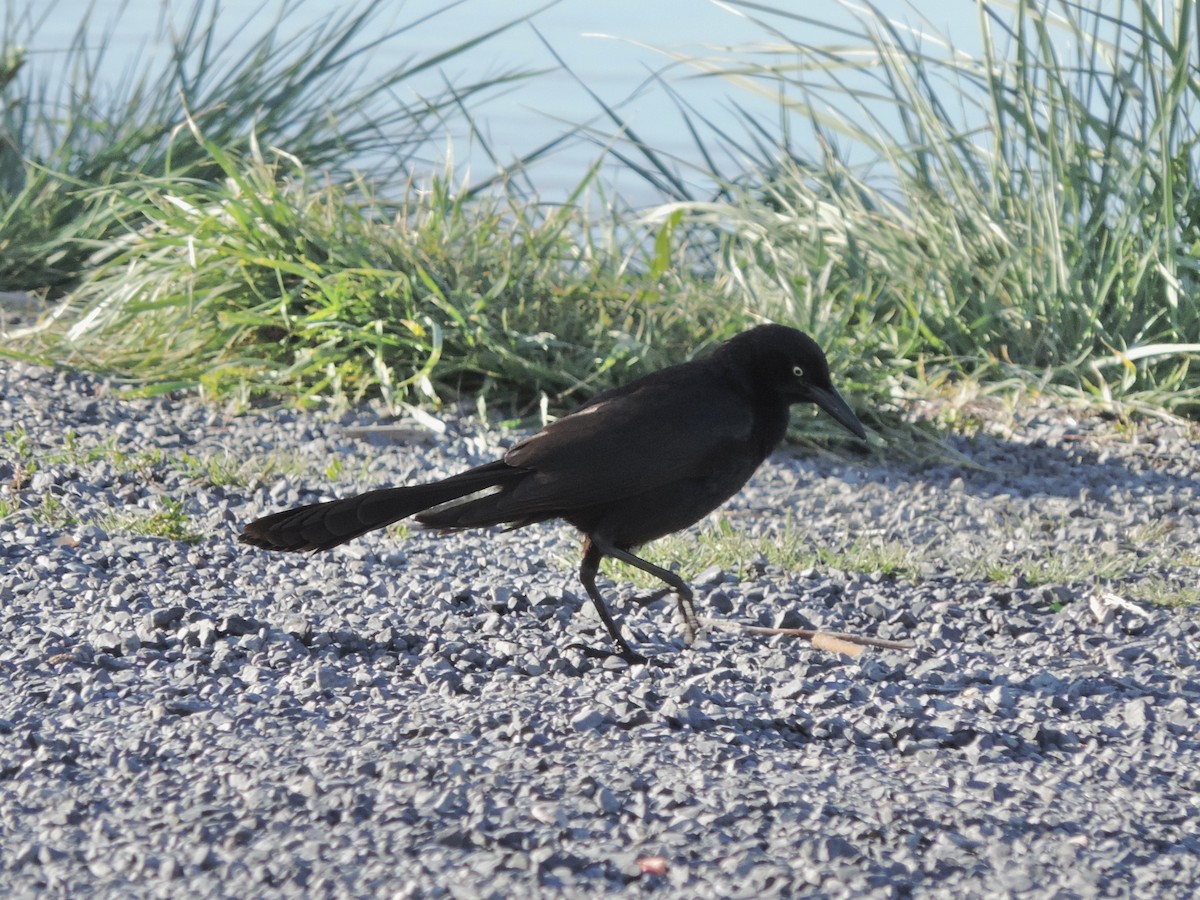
x=628 y=654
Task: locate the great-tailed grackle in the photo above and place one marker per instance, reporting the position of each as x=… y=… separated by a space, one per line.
x=630 y=465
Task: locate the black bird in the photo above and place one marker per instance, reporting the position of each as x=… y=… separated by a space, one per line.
x=632 y=464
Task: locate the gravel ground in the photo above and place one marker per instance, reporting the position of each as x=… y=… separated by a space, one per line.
x=407 y=716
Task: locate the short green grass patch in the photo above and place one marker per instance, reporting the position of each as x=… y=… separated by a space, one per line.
x=720 y=543
x=170 y=521
x=1133 y=566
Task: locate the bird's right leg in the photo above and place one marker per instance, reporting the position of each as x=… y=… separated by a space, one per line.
x=588 y=569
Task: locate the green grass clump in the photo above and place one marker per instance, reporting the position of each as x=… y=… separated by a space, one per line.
x=203 y=222
x=1032 y=213
x=266 y=281
x=66 y=132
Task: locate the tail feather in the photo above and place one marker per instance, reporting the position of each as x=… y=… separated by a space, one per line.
x=321 y=526
x=479 y=512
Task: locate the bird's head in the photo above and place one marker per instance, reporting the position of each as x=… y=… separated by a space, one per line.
x=789 y=362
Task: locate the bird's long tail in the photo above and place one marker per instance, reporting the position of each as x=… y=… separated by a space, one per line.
x=320 y=526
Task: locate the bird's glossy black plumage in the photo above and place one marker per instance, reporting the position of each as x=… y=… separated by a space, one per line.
x=633 y=464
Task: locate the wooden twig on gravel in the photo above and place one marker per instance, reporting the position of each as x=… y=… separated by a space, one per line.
x=833 y=641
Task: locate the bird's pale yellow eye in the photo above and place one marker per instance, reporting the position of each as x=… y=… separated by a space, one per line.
x=798 y=371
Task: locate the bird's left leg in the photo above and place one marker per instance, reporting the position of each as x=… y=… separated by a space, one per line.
x=683 y=593
x=588 y=569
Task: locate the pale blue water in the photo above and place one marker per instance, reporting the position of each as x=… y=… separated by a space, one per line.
x=612 y=45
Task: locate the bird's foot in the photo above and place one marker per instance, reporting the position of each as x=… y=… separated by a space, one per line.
x=687 y=617
x=628 y=654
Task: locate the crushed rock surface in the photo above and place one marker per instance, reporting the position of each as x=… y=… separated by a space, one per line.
x=412 y=715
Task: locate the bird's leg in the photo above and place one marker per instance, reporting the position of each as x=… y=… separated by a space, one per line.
x=683 y=593
x=588 y=569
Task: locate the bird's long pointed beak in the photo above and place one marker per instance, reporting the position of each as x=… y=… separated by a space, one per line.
x=831 y=401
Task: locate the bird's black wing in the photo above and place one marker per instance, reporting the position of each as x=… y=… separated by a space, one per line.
x=681 y=423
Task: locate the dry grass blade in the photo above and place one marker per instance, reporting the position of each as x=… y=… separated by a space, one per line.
x=850 y=645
